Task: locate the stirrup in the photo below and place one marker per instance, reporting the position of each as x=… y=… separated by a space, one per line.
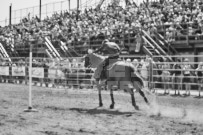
x=103 y=74
x=97 y=79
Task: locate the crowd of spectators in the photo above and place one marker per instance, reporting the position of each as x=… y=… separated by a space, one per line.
x=172 y=18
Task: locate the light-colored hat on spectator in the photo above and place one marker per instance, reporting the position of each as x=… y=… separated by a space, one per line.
x=128 y=60
x=201 y=63
x=74 y=60
x=135 y=61
x=186 y=60
x=89 y=51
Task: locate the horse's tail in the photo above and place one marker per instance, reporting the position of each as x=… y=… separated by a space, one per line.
x=135 y=77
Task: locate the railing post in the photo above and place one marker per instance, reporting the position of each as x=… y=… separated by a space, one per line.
x=150 y=74
x=78 y=9
x=10 y=14
x=69 y=5
x=77 y=72
x=40 y=9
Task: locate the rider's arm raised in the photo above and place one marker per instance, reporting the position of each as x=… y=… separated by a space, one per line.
x=100 y=49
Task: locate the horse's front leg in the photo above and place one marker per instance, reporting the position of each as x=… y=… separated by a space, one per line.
x=133 y=99
x=112 y=99
x=99 y=93
x=100 y=99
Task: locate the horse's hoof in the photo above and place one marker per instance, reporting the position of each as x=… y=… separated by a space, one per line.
x=145 y=99
x=165 y=93
x=100 y=104
x=136 y=107
x=111 y=106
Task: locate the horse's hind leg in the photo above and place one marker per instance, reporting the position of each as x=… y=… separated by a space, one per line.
x=138 y=88
x=133 y=99
x=100 y=99
x=99 y=92
x=112 y=99
x=143 y=95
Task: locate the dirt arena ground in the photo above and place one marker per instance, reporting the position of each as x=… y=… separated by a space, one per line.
x=75 y=112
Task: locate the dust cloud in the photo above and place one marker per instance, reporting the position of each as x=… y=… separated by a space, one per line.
x=185 y=114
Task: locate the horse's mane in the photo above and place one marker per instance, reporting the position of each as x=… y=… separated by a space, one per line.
x=98 y=56
x=95 y=59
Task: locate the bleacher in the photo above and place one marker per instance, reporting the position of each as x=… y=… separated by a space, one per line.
x=68 y=34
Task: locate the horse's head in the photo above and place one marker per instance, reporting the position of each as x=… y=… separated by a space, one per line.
x=92 y=60
x=87 y=60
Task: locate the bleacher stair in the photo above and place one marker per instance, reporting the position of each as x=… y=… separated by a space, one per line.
x=151 y=47
x=3 y=52
x=51 y=50
x=165 y=44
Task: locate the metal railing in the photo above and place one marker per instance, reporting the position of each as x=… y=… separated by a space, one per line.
x=46 y=72
x=158 y=76
x=181 y=77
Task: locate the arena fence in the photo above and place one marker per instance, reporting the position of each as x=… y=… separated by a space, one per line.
x=49 y=9
x=181 y=76
x=176 y=77
x=46 y=72
x=65 y=73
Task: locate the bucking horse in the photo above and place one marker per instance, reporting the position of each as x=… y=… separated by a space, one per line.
x=118 y=74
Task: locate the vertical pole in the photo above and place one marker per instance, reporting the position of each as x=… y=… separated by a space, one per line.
x=40 y=9
x=78 y=8
x=77 y=69
x=69 y=5
x=150 y=74
x=30 y=109
x=30 y=78
x=10 y=14
x=80 y=5
x=196 y=57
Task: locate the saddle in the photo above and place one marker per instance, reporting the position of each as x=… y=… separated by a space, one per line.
x=108 y=64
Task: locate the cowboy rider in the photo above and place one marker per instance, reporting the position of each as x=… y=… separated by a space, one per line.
x=110 y=49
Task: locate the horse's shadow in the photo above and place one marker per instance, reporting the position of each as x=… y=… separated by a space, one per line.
x=162 y=94
x=198 y=97
x=97 y=110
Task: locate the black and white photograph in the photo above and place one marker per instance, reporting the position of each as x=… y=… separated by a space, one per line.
x=101 y=67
